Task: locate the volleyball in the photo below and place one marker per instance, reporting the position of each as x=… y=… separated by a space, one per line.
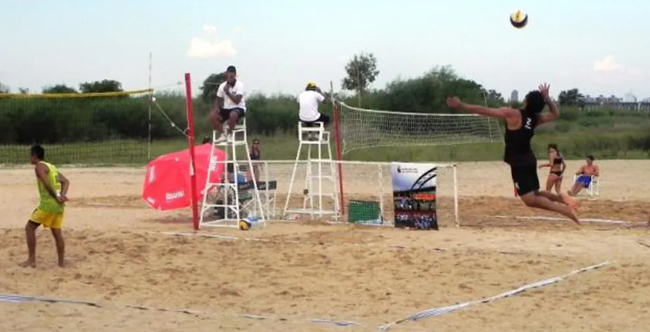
x=244 y=225
x=519 y=19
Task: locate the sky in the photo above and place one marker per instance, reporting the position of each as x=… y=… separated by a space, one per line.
x=600 y=47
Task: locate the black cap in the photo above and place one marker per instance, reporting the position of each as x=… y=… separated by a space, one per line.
x=231 y=69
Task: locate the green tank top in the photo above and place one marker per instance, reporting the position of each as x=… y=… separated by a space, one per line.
x=49 y=203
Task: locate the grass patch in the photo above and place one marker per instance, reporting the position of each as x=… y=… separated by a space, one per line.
x=576 y=144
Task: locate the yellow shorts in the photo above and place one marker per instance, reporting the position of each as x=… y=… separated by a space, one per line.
x=47 y=219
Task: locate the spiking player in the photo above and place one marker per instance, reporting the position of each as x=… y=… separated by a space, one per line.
x=520 y=129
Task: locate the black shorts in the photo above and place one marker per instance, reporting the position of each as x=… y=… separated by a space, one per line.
x=525 y=179
x=324 y=118
x=224 y=113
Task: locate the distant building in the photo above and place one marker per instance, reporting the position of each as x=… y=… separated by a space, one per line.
x=630 y=98
x=514 y=96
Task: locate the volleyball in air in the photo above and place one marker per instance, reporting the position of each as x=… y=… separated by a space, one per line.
x=518 y=19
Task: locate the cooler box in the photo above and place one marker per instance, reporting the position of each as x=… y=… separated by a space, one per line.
x=363 y=211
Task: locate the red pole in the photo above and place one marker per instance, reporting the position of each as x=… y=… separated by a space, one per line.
x=339 y=151
x=190 y=141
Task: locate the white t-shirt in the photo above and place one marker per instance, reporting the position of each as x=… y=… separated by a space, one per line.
x=309 y=101
x=238 y=89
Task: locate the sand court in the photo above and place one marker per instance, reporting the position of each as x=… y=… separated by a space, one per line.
x=294 y=272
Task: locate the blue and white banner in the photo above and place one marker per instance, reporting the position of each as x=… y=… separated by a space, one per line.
x=414 y=195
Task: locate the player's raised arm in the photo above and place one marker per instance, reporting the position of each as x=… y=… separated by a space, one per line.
x=501 y=112
x=553 y=110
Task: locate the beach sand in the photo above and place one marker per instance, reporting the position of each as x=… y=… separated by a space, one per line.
x=293 y=272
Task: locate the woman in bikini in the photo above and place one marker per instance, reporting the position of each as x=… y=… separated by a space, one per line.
x=557 y=166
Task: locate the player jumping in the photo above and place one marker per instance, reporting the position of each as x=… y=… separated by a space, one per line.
x=520 y=129
x=52 y=189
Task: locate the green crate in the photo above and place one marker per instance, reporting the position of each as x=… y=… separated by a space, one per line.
x=363 y=211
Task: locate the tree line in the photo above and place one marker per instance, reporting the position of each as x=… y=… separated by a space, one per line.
x=63 y=120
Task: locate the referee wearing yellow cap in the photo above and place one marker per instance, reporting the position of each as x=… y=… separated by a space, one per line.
x=309 y=101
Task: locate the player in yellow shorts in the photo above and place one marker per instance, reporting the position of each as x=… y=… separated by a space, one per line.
x=52 y=189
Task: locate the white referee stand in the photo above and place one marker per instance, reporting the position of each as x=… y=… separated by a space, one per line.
x=223 y=198
x=314 y=192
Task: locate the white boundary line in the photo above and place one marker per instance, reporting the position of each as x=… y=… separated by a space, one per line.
x=420 y=315
x=443 y=310
x=254 y=239
x=607 y=221
x=12 y=298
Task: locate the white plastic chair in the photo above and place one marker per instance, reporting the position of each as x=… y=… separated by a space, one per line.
x=594 y=187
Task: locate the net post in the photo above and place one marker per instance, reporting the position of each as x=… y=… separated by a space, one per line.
x=456 y=219
x=190 y=141
x=149 y=116
x=339 y=147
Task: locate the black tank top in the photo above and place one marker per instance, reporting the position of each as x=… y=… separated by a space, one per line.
x=518 y=150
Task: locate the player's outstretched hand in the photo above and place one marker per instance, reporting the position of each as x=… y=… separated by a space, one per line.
x=544 y=88
x=453 y=102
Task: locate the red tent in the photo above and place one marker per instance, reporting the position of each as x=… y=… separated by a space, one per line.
x=167 y=181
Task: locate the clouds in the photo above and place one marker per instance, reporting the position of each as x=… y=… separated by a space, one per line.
x=607 y=65
x=210 y=46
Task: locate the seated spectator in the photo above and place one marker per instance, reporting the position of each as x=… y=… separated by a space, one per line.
x=585 y=174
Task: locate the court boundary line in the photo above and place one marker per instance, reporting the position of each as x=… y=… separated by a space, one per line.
x=447 y=309
x=257 y=239
x=12 y=298
x=594 y=220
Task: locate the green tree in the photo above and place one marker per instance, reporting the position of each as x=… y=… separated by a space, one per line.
x=493 y=98
x=361 y=71
x=23 y=91
x=210 y=85
x=101 y=86
x=571 y=97
x=4 y=88
x=58 y=88
x=427 y=93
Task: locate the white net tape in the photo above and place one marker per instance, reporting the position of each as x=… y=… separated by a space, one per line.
x=363 y=128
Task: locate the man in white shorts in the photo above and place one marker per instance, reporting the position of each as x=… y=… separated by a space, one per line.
x=309 y=101
x=231 y=105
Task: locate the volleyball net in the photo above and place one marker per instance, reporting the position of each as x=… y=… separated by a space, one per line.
x=366 y=128
x=76 y=128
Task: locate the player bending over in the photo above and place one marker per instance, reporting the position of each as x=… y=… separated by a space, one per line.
x=52 y=189
x=520 y=129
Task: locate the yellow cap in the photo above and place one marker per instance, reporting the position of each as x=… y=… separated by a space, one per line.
x=311 y=84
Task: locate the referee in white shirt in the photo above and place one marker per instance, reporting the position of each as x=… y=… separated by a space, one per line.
x=309 y=101
x=231 y=105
